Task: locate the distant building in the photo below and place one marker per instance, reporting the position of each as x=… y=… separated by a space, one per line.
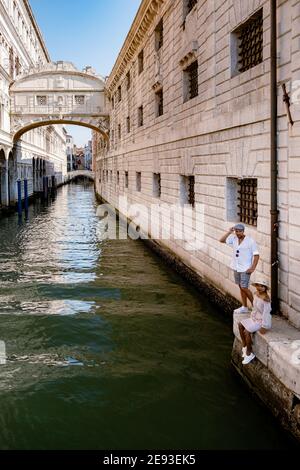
x=71 y=160
x=88 y=155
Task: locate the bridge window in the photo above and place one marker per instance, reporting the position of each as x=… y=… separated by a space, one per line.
x=41 y=100
x=79 y=99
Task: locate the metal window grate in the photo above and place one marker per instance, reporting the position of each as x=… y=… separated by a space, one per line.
x=160 y=103
x=128 y=80
x=79 y=99
x=250 y=38
x=119 y=131
x=141 y=116
x=126 y=179
x=119 y=93
x=248 y=201
x=191 y=189
x=192 y=72
x=158 y=185
x=190 y=5
x=128 y=124
x=159 y=35
x=141 y=61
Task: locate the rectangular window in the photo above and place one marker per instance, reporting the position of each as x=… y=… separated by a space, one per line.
x=159 y=35
x=141 y=62
x=79 y=99
x=159 y=98
x=241 y=200
x=41 y=100
x=128 y=80
x=191 y=81
x=128 y=124
x=119 y=131
x=156 y=185
x=187 y=190
x=138 y=181
x=113 y=102
x=126 y=179
x=119 y=93
x=118 y=178
x=248 y=43
x=140 y=116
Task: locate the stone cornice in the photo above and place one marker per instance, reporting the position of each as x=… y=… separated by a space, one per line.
x=37 y=29
x=140 y=26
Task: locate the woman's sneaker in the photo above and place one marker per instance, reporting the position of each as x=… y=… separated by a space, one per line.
x=248 y=359
x=242 y=309
x=244 y=351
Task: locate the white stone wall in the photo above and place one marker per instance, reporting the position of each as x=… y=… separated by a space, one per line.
x=21 y=43
x=222 y=133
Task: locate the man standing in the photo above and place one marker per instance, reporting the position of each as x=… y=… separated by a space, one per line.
x=244 y=261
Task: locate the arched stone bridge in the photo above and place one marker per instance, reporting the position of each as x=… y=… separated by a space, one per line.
x=81 y=173
x=58 y=93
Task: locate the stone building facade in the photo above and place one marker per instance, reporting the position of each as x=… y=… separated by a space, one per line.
x=190 y=124
x=42 y=151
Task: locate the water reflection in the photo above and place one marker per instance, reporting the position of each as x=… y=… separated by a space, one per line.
x=108 y=349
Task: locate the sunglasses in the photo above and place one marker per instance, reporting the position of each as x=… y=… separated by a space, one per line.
x=237 y=253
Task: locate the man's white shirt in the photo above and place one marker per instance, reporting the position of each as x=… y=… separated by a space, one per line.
x=246 y=250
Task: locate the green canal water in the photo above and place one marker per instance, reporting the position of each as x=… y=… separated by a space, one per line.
x=108 y=348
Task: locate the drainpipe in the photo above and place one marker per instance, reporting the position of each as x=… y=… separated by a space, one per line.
x=274 y=168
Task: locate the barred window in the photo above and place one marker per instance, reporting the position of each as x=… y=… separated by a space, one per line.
x=118 y=178
x=119 y=93
x=159 y=35
x=141 y=61
x=187 y=190
x=250 y=42
x=156 y=185
x=128 y=80
x=79 y=99
x=191 y=81
x=138 y=181
x=140 y=116
x=159 y=103
x=126 y=179
x=119 y=131
x=128 y=124
x=41 y=100
x=191 y=190
x=247 y=196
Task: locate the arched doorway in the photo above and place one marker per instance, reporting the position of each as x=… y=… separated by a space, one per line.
x=11 y=179
x=2 y=178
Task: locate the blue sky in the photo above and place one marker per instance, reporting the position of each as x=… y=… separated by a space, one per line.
x=85 y=32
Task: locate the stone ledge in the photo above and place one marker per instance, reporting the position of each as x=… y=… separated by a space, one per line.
x=278 y=350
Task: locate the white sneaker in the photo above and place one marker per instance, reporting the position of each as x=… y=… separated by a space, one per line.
x=248 y=359
x=242 y=309
x=244 y=351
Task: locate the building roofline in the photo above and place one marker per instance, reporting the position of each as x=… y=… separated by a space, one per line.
x=141 y=23
x=37 y=29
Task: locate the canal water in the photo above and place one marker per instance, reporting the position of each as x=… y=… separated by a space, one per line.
x=108 y=348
